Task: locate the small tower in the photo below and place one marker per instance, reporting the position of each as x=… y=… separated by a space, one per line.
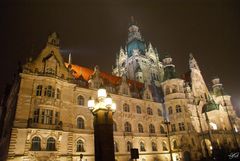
x=53 y=39
x=169 y=68
x=217 y=87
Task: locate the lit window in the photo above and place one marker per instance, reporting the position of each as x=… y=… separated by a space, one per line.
x=51 y=144
x=80 y=100
x=178 y=109
x=151 y=128
x=139 y=111
x=39 y=90
x=36 y=144
x=80 y=146
x=80 y=123
x=149 y=111
x=154 y=146
x=170 y=111
x=47 y=116
x=140 y=128
x=181 y=126
x=129 y=146
x=126 y=107
x=142 y=146
x=127 y=127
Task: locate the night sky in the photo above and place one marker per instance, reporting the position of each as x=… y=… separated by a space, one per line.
x=93 y=32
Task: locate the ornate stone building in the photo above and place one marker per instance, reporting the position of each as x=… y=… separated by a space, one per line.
x=44 y=116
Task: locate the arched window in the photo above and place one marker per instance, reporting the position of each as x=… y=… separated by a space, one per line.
x=149 y=111
x=80 y=123
x=114 y=126
x=162 y=131
x=164 y=146
x=159 y=112
x=154 y=146
x=138 y=109
x=116 y=147
x=58 y=93
x=36 y=144
x=151 y=128
x=168 y=90
x=39 y=90
x=128 y=127
x=129 y=146
x=80 y=100
x=142 y=146
x=80 y=146
x=170 y=111
x=126 y=107
x=178 y=109
x=140 y=128
x=51 y=144
x=174 y=144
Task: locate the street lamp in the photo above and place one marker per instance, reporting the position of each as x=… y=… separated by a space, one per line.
x=166 y=122
x=102 y=109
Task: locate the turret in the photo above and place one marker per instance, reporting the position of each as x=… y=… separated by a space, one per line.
x=169 y=68
x=217 y=87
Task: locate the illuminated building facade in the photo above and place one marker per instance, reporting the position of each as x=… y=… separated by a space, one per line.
x=45 y=116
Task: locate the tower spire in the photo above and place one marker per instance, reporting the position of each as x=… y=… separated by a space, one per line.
x=193 y=62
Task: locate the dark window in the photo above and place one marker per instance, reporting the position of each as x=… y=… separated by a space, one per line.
x=49 y=91
x=58 y=94
x=142 y=146
x=170 y=111
x=149 y=111
x=51 y=144
x=36 y=144
x=80 y=123
x=129 y=146
x=128 y=127
x=39 y=90
x=140 y=128
x=139 y=111
x=126 y=107
x=47 y=116
x=164 y=146
x=178 y=109
x=162 y=131
x=80 y=146
x=116 y=147
x=159 y=112
x=173 y=127
x=36 y=116
x=175 y=144
x=80 y=100
x=151 y=128
x=181 y=126
x=56 y=118
x=154 y=146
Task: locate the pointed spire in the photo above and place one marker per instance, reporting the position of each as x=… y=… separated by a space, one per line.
x=193 y=62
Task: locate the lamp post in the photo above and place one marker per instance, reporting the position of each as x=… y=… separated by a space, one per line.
x=167 y=123
x=102 y=109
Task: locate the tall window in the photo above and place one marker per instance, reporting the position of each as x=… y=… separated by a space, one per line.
x=175 y=144
x=51 y=144
x=126 y=107
x=173 y=127
x=170 y=111
x=181 y=126
x=178 y=109
x=58 y=93
x=159 y=112
x=142 y=146
x=80 y=146
x=151 y=128
x=138 y=108
x=149 y=111
x=49 y=91
x=36 y=115
x=80 y=100
x=154 y=146
x=116 y=147
x=129 y=146
x=164 y=146
x=47 y=116
x=162 y=131
x=127 y=127
x=39 y=90
x=57 y=118
x=80 y=123
x=140 y=128
x=36 y=144
x=114 y=126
